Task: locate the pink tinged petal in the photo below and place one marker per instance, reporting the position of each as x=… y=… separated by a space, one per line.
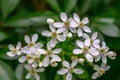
x=52 y=28
x=27 y=39
x=87 y=29
x=58 y=24
x=10 y=54
x=61 y=38
x=79 y=32
x=65 y=33
x=78 y=71
x=56 y=58
x=34 y=38
x=77 y=51
x=66 y=64
x=46 y=61
x=69 y=76
x=80 y=43
x=76 y=18
x=74 y=63
x=73 y=30
x=63 y=16
x=19 y=52
x=94 y=35
x=40 y=70
x=96 y=67
x=37 y=77
x=28 y=76
x=104 y=59
x=56 y=51
x=46 y=33
x=11 y=47
x=85 y=20
x=89 y=57
x=41 y=51
x=18 y=46
x=22 y=59
x=95 y=75
x=62 y=71
x=60 y=30
x=87 y=42
x=85 y=36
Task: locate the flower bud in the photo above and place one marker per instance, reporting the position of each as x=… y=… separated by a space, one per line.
x=81 y=61
x=111 y=55
x=50 y=20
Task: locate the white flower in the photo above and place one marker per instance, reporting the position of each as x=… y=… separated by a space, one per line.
x=50 y=21
x=103 y=50
x=33 y=72
x=81 y=25
x=93 y=39
x=50 y=54
x=85 y=50
x=32 y=42
x=14 y=50
x=55 y=35
x=65 y=25
x=69 y=69
x=100 y=70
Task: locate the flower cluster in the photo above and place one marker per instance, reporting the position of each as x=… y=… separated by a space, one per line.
x=88 y=49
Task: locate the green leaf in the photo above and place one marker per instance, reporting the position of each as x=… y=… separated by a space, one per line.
x=6 y=73
x=8 y=6
x=54 y=5
x=69 y=5
x=109 y=30
x=29 y=19
x=3 y=36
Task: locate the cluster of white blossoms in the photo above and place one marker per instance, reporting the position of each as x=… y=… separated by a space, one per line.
x=88 y=49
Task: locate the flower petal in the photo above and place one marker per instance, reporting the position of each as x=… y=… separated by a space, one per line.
x=56 y=58
x=63 y=16
x=85 y=20
x=46 y=33
x=76 y=18
x=28 y=76
x=87 y=42
x=89 y=57
x=85 y=36
x=58 y=24
x=73 y=30
x=56 y=51
x=40 y=70
x=37 y=77
x=61 y=38
x=95 y=75
x=69 y=76
x=77 y=51
x=11 y=47
x=78 y=71
x=41 y=51
x=34 y=38
x=74 y=63
x=60 y=30
x=62 y=71
x=104 y=59
x=79 y=32
x=18 y=46
x=87 y=29
x=46 y=61
x=53 y=42
x=65 y=33
x=27 y=39
x=10 y=54
x=94 y=35
x=80 y=43
x=96 y=67
x=66 y=64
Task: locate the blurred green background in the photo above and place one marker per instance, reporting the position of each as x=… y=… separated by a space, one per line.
x=20 y=17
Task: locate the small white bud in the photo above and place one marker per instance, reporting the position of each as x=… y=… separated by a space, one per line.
x=81 y=61
x=111 y=55
x=53 y=63
x=69 y=35
x=40 y=64
x=50 y=21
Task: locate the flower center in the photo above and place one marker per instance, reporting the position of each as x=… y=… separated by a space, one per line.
x=31 y=44
x=54 y=34
x=85 y=49
x=49 y=52
x=36 y=59
x=81 y=24
x=32 y=71
x=70 y=69
x=14 y=51
x=101 y=71
x=67 y=23
x=28 y=57
x=102 y=50
x=91 y=41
